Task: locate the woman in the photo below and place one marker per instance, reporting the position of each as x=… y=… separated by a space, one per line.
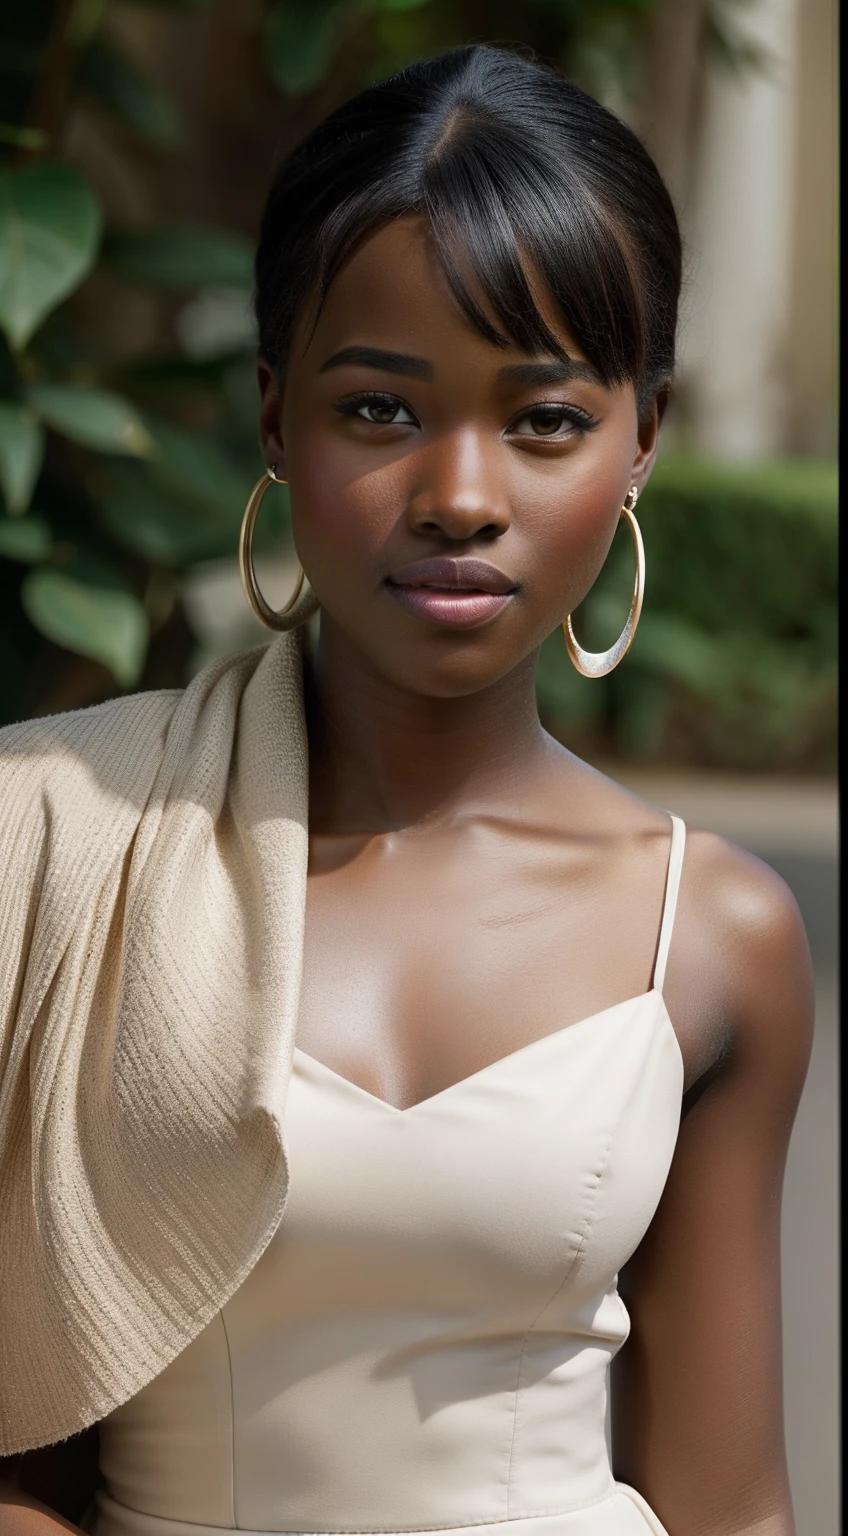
x=454 y=1024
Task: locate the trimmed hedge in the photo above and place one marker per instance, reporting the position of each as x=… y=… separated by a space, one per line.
x=734 y=663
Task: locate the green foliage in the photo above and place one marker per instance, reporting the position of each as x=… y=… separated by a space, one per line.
x=21 y=454
x=26 y=539
x=96 y=418
x=176 y=5
x=300 y=41
x=730 y=45
x=116 y=477
x=89 y=616
x=734 y=662
x=120 y=87
x=23 y=138
x=181 y=256
x=49 y=233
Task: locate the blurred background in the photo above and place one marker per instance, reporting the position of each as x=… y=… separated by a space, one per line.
x=137 y=139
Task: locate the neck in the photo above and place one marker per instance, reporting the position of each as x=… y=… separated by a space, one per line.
x=383 y=758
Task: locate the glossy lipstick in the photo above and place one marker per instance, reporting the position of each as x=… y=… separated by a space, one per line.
x=452 y=592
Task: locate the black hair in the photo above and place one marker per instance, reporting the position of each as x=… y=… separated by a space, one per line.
x=516 y=169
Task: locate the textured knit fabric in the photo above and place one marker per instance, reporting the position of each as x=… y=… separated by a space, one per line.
x=153 y=854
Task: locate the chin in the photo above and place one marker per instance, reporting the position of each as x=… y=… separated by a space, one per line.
x=432 y=663
x=454 y=675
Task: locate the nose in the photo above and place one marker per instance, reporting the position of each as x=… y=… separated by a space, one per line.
x=460 y=494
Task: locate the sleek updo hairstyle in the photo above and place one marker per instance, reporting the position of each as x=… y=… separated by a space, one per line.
x=513 y=165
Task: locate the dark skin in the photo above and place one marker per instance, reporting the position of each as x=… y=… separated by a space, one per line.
x=482 y=885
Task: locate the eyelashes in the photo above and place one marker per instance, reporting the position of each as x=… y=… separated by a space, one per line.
x=386 y=410
x=545 y=420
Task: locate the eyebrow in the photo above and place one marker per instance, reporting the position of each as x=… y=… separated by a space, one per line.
x=386 y=362
x=561 y=372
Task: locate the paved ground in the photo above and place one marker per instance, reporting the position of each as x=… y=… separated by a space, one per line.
x=794 y=828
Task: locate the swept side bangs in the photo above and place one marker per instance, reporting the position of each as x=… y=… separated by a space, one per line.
x=527 y=184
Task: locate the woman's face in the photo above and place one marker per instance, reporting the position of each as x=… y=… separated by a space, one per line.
x=451 y=500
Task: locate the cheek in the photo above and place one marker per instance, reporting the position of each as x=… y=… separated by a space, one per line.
x=349 y=521
x=571 y=518
x=341 y=517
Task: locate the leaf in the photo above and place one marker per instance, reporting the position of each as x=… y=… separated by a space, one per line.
x=21 y=454
x=26 y=539
x=181 y=256
x=23 y=137
x=107 y=624
x=148 y=520
x=193 y=467
x=119 y=85
x=176 y=5
x=96 y=418
x=50 y=225
x=84 y=21
x=185 y=503
x=300 y=41
x=732 y=49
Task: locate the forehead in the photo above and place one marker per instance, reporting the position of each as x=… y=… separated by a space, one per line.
x=393 y=291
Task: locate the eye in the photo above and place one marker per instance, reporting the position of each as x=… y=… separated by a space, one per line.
x=553 y=421
x=382 y=410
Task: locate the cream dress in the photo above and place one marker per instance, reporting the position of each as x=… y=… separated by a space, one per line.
x=424 y=1345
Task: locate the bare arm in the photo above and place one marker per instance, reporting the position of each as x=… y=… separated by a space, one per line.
x=698 y=1410
x=23 y=1515
x=44 y=1492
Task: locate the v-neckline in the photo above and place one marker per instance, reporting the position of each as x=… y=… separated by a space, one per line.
x=501 y=1061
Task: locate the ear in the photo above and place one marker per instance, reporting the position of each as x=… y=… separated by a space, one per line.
x=270 y=415
x=662 y=398
x=648 y=439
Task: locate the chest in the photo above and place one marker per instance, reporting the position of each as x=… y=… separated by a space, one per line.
x=498 y=1177
x=427 y=959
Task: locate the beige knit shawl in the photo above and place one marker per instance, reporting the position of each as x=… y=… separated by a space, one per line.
x=152 y=887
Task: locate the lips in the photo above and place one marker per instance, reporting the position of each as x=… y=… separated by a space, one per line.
x=452 y=592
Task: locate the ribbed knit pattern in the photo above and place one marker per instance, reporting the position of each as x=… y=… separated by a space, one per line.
x=153 y=859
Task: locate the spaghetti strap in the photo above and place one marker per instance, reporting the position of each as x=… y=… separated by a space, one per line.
x=672 y=886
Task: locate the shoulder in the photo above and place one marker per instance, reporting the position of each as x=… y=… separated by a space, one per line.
x=84 y=765
x=68 y=780
x=739 y=982
x=747 y=903
x=741 y=907
x=136 y=717
x=742 y=942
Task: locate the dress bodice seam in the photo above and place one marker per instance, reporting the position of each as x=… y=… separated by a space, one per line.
x=395 y=1529
x=231 y=1384
x=603 y=1163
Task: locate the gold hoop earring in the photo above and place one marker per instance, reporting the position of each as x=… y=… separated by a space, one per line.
x=303 y=602
x=600 y=663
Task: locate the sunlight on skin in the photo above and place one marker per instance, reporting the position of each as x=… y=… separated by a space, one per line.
x=463 y=466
